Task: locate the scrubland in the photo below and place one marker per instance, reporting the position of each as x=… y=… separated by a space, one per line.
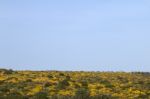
x=73 y=85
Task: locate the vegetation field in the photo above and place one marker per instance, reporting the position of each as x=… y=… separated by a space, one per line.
x=73 y=85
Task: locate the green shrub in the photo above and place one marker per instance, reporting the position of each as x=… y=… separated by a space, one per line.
x=40 y=95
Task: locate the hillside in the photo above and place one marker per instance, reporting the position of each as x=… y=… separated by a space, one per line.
x=73 y=85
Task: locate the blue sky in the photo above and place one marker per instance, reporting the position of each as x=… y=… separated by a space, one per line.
x=95 y=35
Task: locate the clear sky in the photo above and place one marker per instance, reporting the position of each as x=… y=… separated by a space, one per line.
x=99 y=35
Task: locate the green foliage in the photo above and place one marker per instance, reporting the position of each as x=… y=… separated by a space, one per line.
x=40 y=95
x=47 y=84
x=82 y=93
x=62 y=84
x=84 y=83
x=50 y=76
